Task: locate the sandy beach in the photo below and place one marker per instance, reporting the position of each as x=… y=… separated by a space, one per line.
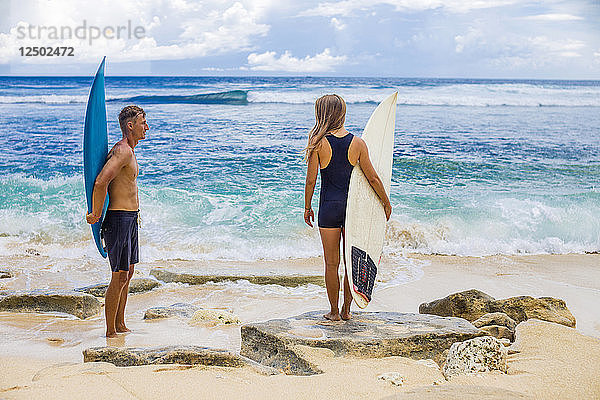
x=41 y=353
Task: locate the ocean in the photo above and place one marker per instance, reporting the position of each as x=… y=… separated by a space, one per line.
x=481 y=167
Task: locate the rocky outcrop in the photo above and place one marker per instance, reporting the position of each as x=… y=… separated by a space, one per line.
x=81 y=305
x=136 y=285
x=549 y=309
x=498 y=331
x=187 y=355
x=482 y=354
x=497 y=318
x=4 y=274
x=194 y=279
x=498 y=325
x=367 y=334
x=473 y=304
x=183 y=310
x=215 y=316
x=470 y=305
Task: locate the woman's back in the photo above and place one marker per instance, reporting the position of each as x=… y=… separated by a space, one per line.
x=335 y=176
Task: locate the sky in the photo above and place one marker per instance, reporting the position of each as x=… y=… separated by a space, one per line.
x=509 y=39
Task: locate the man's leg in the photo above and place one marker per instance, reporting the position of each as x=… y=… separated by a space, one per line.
x=120 y=318
x=111 y=301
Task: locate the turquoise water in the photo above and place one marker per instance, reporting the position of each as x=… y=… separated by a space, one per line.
x=480 y=167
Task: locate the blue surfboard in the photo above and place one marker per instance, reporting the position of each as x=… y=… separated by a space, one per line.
x=95 y=147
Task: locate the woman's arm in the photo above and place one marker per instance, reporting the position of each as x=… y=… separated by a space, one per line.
x=372 y=177
x=309 y=187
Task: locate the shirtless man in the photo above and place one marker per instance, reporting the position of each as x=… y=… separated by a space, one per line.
x=120 y=228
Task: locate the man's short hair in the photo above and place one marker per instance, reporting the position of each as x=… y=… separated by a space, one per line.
x=129 y=113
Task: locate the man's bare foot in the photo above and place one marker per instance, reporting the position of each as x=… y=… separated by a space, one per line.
x=331 y=316
x=111 y=335
x=123 y=329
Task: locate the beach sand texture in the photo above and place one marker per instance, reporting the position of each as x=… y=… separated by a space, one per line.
x=41 y=353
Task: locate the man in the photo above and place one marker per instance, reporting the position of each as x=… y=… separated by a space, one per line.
x=120 y=228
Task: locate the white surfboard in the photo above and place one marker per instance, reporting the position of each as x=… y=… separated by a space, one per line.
x=365 y=218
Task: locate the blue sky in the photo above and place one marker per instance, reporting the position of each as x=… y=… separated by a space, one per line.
x=402 y=38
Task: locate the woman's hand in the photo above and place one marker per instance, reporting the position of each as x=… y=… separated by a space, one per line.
x=388 y=211
x=309 y=217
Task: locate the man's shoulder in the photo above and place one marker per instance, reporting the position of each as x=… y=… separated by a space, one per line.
x=122 y=149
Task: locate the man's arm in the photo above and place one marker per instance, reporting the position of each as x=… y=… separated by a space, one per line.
x=372 y=177
x=111 y=169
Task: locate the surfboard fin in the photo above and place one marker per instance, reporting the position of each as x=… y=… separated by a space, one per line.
x=364 y=271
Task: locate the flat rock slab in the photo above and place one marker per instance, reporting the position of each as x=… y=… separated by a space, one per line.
x=367 y=334
x=136 y=285
x=194 y=279
x=186 y=355
x=183 y=310
x=81 y=305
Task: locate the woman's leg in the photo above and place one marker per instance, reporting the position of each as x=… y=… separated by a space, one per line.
x=330 y=237
x=345 y=315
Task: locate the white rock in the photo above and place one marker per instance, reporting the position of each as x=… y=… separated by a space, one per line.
x=481 y=354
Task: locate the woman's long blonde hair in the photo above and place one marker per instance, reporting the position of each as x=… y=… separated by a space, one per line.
x=330 y=114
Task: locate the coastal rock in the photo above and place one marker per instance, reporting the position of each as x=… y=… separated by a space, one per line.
x=5 y=274
x=470 y=305
x=498 y=331
x=473 y=304
x=367 y=334
x=187 y=355
x=522 y=308
x=481 y=354
x=183 y=310
x=136 y=285
x=81 y=305
x=496 y=318
x=194 y=279
x=215 y=316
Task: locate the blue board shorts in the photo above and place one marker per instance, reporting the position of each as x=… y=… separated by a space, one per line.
x=120 y=233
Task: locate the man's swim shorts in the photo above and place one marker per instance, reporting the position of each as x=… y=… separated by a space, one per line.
x=120 y=233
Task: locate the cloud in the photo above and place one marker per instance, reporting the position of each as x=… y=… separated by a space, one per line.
x=347 y=7
x=552 y=17
x=269 y=61
x=337 y=24
x=516 y=51
x=178 y=29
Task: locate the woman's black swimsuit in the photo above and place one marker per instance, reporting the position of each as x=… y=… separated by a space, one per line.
x=335 y=180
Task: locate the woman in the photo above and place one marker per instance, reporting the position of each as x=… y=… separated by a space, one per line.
x=335 y=156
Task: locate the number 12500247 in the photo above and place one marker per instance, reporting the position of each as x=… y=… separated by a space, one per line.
x=48 y=51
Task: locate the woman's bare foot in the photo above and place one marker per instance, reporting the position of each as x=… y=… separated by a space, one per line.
x=332 y=316
x=345 y=314
x=111 y=335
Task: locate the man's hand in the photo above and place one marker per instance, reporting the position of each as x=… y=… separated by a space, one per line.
x=91 y=218
x=309 y=217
